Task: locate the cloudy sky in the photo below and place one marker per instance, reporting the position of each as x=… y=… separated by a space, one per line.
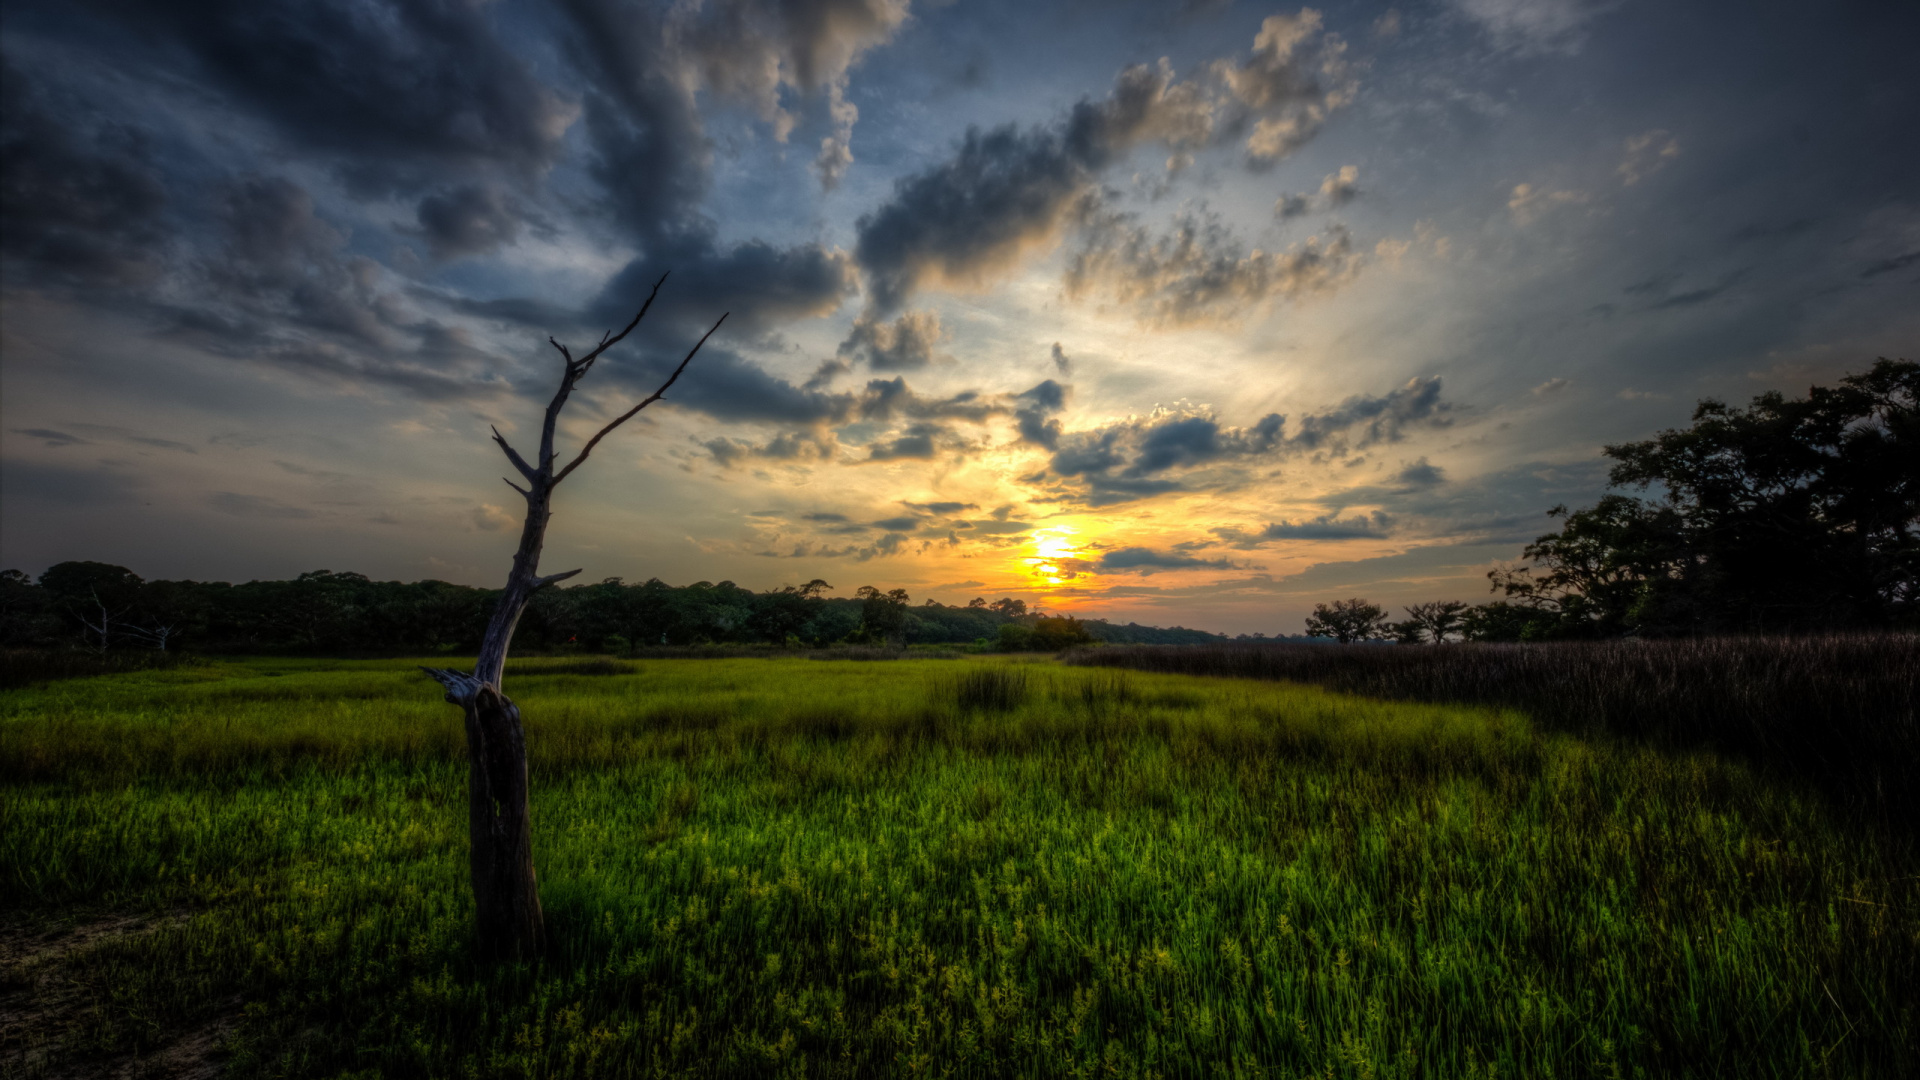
x=1186 y=314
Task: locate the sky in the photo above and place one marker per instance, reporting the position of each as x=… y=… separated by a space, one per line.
x=1192 y=314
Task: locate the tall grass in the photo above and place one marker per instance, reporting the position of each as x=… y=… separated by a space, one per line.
x=785 y=868
x=995 y=688
x=1841 y=711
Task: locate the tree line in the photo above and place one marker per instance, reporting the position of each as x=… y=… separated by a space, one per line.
x=1793 y=515
x=101 y=607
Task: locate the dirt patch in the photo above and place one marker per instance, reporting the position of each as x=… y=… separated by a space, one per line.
x=45 y=1004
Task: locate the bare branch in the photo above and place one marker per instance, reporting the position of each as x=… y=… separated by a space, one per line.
x=543 y=582
x=563 y=351
x=607 y=342
x=513 y=455
x=655 y=396
x=523 y=491
x=461 y=687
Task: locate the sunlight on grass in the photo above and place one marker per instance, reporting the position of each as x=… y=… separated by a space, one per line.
x=774 y=867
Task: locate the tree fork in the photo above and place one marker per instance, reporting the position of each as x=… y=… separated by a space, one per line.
x=508 y=921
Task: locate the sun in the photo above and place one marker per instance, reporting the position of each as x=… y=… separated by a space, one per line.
x=1055 y=551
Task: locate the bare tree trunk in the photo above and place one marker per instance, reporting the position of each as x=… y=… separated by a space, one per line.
x=506 y=898
x=508 y=921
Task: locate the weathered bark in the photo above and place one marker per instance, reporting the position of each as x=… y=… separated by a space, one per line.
x=508 y=922
x=509 y=925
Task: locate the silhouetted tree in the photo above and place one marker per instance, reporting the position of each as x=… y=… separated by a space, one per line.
x=1799 y=513
x=95 y=599
x=1435 y=620
x=883 y=616
x=25 y=616
x=782 y=615
x=1791 y=514
x=1503 y=620
x=1347 y=621
x=1053 y=633
x=506 y=897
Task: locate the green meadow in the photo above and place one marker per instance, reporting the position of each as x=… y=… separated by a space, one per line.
x=976 y=867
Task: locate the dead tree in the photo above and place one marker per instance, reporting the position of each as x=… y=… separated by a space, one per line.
x=506 y=899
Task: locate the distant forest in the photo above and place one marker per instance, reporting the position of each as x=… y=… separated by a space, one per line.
x=100 y=606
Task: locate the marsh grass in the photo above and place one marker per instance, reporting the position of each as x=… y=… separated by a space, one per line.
x=592 y=666
x=990 y=687
x=1841 y=712
x=787 y=868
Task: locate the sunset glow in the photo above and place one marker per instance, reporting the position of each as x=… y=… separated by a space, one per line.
x=1178 y=313
x=1054 y=555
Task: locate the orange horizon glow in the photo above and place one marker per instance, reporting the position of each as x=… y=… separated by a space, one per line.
x=1054 y=549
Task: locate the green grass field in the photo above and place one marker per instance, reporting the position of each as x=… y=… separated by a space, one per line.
x=966 y=867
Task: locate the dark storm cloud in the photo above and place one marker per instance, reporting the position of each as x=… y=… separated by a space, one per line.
x=996 y=526
x=904 y=344
x=1198 y=272
x=1187 y=441
x=51 y=437
x=1173 y=451
x=275 y=240
x=472 y=219
x=790 y=447
x=1147 y=560
x=79 y=201
x=886 y=399
x=650 y=152
x=916 y=442
x=395 y=88
x=725 y=386
x=833 y=524
x=1420 y=474
x=972 y=216
x=753 y=50
x=649 y=149
x=1363 y=421
x=1034 y=417
x=940 y=509
x=759 y=285
x=1125 y=454
x=1325 y=527
x=279 y=289
x=1009 y=190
